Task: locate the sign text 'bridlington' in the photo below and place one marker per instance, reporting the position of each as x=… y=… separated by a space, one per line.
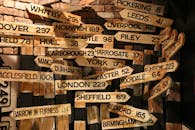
x=54 y=14
x=146 y=18
x=142 y=77
x=129 y=111
x=100 y=62
x=41 y=111
x=129 y=26
x=101 y=97
x=80 y=85
x=161 y=87
x=23 y=28
x=137 y=38
x=26 y=76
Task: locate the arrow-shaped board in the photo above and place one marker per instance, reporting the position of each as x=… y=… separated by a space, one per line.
x=161 y=87
x=100 y=39
x=100 y=62
x=23 y=28
x=169 y=66
x=129 y=111
x=140 y=6
x=101 y=97
x=82 y=29
x=41 y=111
x=124 y=122
x=142 y=77
x=80 y=85
x=146 y=18
x=128 y=26
x=54 y=14
x=137 y=38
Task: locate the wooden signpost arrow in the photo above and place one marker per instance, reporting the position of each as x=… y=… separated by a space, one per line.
x=142 y=77
x=161 y=87
x=41 y=111
x=137 y=38
x=80 y=85
x=23 y=28
x=140 y=6
x=129 y=111
x=100 y=39
x=169 y=66
x=124 y=122
x=146 y=18
x=100 y=62
x=54 y=14
x=101 y=97
x=129 y=26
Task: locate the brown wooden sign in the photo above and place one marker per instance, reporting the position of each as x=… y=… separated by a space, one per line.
x=41 y=111
x=101 y=97
x=82 y=29
x=100 y=62
x=100 y=39
x=137 y=38
x=146 y=18
x=129 y=26
x=169 y=66
x=129 y=111
x=142 y=77
x=54 y=14
x=23 y=28
x=161 y=87
x=140 y=6
x=80 y=85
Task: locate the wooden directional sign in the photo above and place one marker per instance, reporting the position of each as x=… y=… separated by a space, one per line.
x=70 y=53
x=118 y=53
x=114 y=74
x=26 y=76
x=169 y=66
x=54 y=14
x=41 y=111
x=161 y=87
x=129 y=111
x=82 y=29
x=4 y=125
x=140 y=6
x=7 y=123
x=5 y=98
x=100 y=62
x=146 y=18
x=100 y=39
x=23 y=28
x=101 y=97
x=173 y=38
x=60 y=42
x=142 y=77
x=124 y=122
x=66 y=70
x=165 y=33
x=137 y=38
x=80 y=85
x=129 y=26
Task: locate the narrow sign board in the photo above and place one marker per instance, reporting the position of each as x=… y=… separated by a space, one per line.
x=41 y=111
x=82 y=29
x=65 y=70
x=80 y=85
x=101 y=97
x=100 y=39
x=100 y=62
x=161 y=87
x=137 y=38
x=146 y=18
x=4 y=125
x=169 y=66
x=54 y=14
x=26 y=76
x=140 y=6
x=23 y=28
x=5 y=98
x=129 y=111
x=124 y=122
x=142 y=77
x=129 y=26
